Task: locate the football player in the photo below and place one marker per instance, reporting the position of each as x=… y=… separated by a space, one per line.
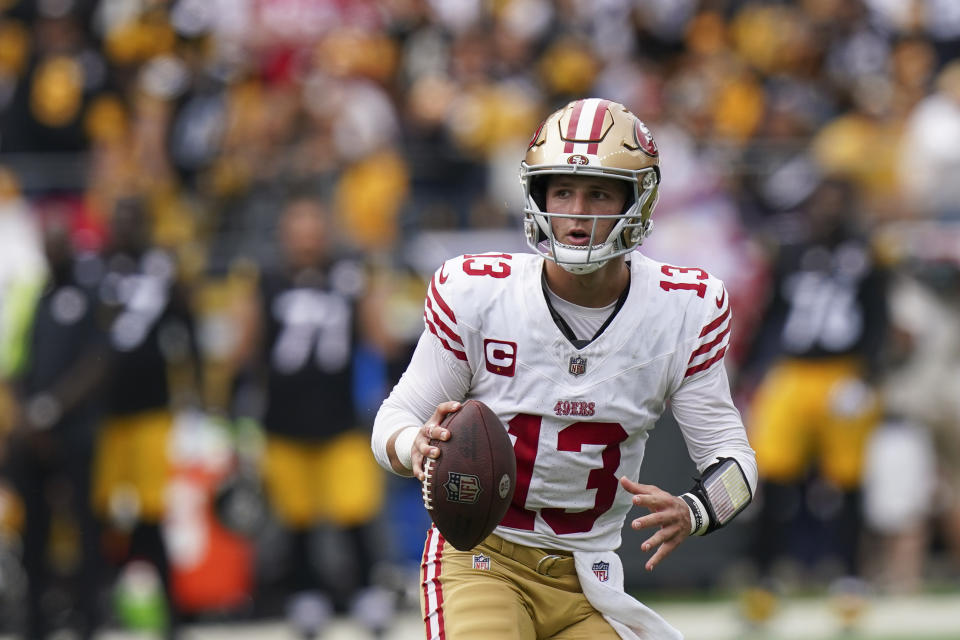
x=299 y=334
x=818 y=360
x=154 y=369
x=578 y=348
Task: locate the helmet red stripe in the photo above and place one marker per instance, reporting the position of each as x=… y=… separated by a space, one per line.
x=597 y=126
x=572 y=126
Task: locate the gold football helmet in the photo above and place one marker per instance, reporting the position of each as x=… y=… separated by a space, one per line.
x=591 y=137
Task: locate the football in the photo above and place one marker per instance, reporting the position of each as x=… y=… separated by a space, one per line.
x=468 y=488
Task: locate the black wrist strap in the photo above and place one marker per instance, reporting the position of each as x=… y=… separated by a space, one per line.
x=724 y=491
x=697 y=523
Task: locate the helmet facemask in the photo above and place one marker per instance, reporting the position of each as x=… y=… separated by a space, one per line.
x=597 y=138
x=629 y=227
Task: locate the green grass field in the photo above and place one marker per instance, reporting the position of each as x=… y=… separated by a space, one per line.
x=917 y=617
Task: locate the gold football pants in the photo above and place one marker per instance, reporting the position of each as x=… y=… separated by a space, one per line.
x=803 y=413
x=504 y=591
x=131 y=467
x=336 y=480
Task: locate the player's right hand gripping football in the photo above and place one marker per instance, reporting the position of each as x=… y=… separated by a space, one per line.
x=431 y=430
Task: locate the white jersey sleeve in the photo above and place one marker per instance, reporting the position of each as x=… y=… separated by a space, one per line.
x=711 y=425
x=438 y=371
x=430 y=379
x=710 y=345
x=702 y=405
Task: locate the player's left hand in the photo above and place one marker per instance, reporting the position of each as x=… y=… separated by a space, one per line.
x=667 y=511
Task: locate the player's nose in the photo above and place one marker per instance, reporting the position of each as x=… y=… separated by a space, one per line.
x=577 y=203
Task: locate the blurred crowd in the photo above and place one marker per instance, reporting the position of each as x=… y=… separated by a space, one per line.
x=149 y=150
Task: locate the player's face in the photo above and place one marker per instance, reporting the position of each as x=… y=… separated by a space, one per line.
x=303 y=232
x=584 y=195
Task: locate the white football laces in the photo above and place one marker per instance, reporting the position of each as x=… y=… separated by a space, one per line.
x=427 y=483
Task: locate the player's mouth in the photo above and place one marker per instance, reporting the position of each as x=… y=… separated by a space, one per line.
x=577 y=238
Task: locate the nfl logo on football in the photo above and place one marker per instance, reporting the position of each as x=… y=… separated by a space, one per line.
x=462 y=487
x=578 y=365
x=481 y=562
x=601 y=570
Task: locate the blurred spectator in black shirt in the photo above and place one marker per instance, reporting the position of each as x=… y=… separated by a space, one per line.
x=58 y=379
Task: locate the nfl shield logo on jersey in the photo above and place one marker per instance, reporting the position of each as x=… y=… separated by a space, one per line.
x=578 y=365
x=481 y=562
x=601 y=570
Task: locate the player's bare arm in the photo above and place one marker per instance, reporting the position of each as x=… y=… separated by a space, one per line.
x=667 y=511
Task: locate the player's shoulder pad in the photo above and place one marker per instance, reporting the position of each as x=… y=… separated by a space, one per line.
x=700 y=306
x=715 y=300
x=693 y=288
x=461 y=290
x=473 y=280
x=711 y=325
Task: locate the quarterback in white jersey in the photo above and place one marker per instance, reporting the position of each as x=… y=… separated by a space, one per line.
x=578 y=348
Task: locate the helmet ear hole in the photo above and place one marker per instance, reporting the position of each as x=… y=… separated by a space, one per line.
x=630 y=197
x=538 y=191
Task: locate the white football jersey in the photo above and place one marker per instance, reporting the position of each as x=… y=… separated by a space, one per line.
x=579 y=418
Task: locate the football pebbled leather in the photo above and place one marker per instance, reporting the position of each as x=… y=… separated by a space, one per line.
x=468 y=489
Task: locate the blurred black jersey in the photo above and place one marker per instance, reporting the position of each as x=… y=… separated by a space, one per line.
x=150 y=330
x=310 y=339
x=829 y=300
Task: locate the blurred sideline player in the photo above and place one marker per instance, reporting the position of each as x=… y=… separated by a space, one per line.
x=55 y=352
x=912 y=479
x=816 y=405
x=152 y=343
x=577 y=348
x=298 y=338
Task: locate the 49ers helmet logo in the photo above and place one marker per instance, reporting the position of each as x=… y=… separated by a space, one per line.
x=578 y=159
x=536 y=135
x=645 y=138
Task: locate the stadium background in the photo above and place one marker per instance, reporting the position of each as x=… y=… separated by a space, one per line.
x=411 y=115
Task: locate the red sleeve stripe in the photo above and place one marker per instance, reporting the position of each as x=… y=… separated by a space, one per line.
x=706 y=364
x=440 y=301
x=716 y=323
x=430 y=567
x=429 y=310
x=446 y=345
x=708 y=346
